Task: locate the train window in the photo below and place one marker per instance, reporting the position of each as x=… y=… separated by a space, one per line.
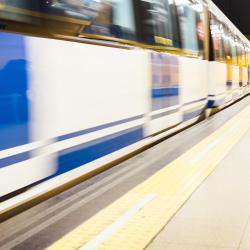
x=218 y=37
x=245 y=53
x=55 y=10
x=240 y=52
x=192 y=26
x=233 y=50
x=15 y=10
x=227 y=45
x=244 y=59
x=158 y=23
x=175 y=26
x=112 y=18
x=45 y=16
x=247 y=56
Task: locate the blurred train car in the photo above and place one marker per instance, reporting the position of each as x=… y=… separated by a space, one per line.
x=229 y=56
x=85 y=82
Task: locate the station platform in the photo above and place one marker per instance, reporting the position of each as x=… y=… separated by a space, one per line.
x=217 y=216
x=190 y=191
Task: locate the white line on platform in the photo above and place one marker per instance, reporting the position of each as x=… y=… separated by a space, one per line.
x=108 y=231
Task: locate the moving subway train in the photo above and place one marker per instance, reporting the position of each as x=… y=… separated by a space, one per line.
x=85 y=82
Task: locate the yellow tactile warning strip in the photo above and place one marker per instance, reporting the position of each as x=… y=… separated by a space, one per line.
x=135 y=219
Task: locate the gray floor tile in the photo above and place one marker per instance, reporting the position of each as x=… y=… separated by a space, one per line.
x=216 y=215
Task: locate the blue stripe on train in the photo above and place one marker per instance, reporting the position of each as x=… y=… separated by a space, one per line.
x=5 y=162
x=87 y=152
x=100 y=127
x=168 y=91
x=164 y=97
x=14 y=106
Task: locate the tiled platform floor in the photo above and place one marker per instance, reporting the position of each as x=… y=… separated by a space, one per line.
x=217 y=216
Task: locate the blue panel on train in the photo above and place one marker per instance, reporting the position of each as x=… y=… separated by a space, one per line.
x=87 y=152
x=13 y=91
x=165 y=77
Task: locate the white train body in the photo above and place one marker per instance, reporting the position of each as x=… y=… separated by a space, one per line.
x=81 y=106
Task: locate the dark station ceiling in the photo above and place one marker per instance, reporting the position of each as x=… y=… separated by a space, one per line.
x=238 y=11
